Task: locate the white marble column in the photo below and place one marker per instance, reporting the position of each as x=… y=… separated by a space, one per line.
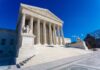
x=31 y=25
x=50 y=34
x=38 y=31
x=44 y=34
x=22 y=23
x=62 y=35
x=58 y=30
x=54 y=28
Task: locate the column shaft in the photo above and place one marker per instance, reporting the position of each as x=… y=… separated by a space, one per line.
x=58 y=30
x=38 y=31
x=63 y=42
x=22 y=23
x=54 y=34
x=50 y=33
x=31 y=25
x=44 y=34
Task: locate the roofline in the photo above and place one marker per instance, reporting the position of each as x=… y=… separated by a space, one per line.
x=22 y=5
x=55 y=16
x=4 y=29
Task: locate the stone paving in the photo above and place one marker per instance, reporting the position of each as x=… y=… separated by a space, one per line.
x=78 y=67
x=88 y=62
x=56 y=64
x=85 y=62
x=91 y=62
x=49 y=54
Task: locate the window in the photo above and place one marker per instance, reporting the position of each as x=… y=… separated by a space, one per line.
x=3 y=41
x=12 y=42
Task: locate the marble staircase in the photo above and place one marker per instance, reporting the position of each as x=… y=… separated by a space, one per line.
x=49 y=54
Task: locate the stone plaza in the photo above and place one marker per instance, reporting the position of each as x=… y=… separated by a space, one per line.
x=84 y=62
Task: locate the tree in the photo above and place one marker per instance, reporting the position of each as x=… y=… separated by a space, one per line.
x=90 y=41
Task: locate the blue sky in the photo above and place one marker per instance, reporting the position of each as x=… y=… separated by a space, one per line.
x=80 y=16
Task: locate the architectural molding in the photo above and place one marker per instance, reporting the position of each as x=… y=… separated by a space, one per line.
x=42 y=11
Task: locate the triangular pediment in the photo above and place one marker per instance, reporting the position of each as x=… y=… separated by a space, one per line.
x=42 y=11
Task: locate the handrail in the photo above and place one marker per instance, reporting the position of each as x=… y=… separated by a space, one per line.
x=24 y=62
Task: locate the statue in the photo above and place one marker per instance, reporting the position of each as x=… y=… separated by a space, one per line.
x=26 y=29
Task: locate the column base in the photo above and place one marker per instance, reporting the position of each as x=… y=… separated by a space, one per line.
x=39 y=45
x=57 y=45
x=45 y=44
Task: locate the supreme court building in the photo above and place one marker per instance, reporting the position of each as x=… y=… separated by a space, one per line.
x=37 y=27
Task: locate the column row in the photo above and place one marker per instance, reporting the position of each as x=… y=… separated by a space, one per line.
x=55 y=31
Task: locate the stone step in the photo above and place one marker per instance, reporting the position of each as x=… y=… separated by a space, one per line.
x=49 y=54
x=57 y=63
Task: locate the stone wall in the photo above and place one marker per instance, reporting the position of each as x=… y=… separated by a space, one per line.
x=7 y=43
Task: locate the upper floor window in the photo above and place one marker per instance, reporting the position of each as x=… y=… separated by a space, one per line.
x=3 y=41
x=12 y=42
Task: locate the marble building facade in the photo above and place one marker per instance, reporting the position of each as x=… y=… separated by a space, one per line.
x=42 y=24
x=37 y=27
